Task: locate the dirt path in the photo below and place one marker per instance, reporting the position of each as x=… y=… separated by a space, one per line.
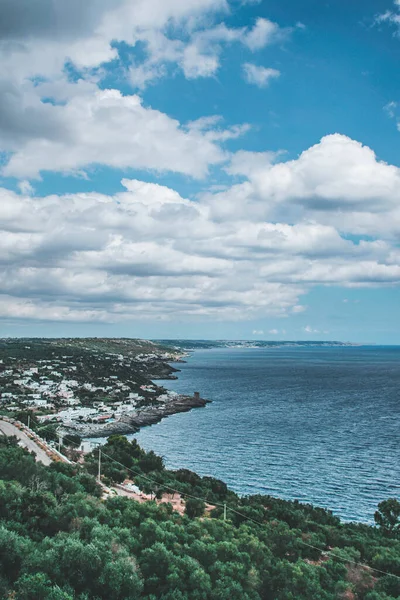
x=25 y=441
x=178 y=503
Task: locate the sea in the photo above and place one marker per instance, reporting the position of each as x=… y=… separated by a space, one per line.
x=317 y=424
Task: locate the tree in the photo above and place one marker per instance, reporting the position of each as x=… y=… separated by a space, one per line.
x=121 y=579
x=388 y=516
x=156 y=564
x=38 y=587
x=194 y=508
x=72 y=440
x=13 y=551
x=151 y=462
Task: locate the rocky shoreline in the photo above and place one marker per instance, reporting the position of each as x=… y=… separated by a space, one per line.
x=131 y=422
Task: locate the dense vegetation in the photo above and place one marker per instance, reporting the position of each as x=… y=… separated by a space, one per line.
x=60 y=541
x=42 y=348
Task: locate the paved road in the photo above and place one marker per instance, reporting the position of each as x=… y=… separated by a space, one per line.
x=9 y=429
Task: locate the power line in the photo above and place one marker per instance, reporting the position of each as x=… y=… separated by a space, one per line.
x=225 y=507
x=247 y=518
x=99 y=470
x=71 y=441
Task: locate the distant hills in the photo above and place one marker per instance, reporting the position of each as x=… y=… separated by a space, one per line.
x=124 y=346
x=209 y=344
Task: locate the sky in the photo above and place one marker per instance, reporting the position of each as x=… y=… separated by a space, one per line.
x=222 y=169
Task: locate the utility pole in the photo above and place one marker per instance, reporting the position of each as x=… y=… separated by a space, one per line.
x=224 y=512
x=29 y=420
x=59 y=443
x=99 y=472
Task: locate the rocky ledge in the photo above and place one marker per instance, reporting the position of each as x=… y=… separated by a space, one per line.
x=131 y=422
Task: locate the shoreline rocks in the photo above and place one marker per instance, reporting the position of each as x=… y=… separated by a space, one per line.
x=132 y=422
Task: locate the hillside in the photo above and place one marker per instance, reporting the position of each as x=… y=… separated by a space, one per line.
x=209 y=344
x=59 y=540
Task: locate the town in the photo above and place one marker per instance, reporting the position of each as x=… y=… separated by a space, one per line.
x=92 y=387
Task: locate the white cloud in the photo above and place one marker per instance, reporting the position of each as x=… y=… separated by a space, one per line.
x=142 y=75
x=274 y=331
x=391 y=17
x=49 y=123
x=298 y=308
x=200 y=57
x=152 y=253
x=390 y=109
x=197 y=64
x=259 y=76
x=309 y=329
x=172 y=32
x=258 y=332
x=263 y=33
x=83 y=32
x=91 y=253
x=251 y=248
x=26 y=188
x=337 y=183
x=22 y=309
x=337 y=172
x=105 y=127
x=249 y=164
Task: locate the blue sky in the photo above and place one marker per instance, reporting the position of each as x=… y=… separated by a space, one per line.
x=208 y=169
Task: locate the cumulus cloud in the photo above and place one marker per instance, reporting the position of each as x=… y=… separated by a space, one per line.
x=22 y=19
x=105 y=127
x=86 y=34
x=253 y=247
x=26 y=188
x=83 y=32
x=263 y=33
x=259 y=76
x=148 y=251
x=336 y=173
x=199 y=55
x=337 y=182
x=50 y=122
x=200 y=58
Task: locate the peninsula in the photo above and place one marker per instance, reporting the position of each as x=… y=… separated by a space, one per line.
x=91 y=387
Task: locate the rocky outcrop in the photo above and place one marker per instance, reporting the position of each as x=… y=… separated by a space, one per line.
x=133 y=421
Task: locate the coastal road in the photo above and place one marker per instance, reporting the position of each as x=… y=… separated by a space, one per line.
x=9 y=429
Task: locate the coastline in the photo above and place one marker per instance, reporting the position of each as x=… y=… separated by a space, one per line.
x=101 y=387
x=272 y=433
x=132 y=422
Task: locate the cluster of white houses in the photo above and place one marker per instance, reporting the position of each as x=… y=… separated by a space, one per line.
x=51 y=390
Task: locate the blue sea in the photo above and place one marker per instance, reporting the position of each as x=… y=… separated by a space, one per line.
x=319 y=424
